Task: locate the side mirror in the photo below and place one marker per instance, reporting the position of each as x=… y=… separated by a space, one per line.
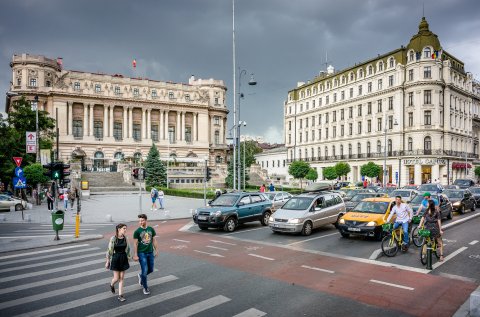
x=317 y=208
x=210 y=202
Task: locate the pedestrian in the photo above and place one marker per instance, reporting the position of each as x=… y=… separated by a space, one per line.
x=262 y=188
x=145 y=250
x=50 y=200
x=161 y=197
x=118 y=253
x=404 y=217
x=72 y=195
x=65 y=198
x=271 y=187
x=365 y=183
x=154 y=196
x=432 y=220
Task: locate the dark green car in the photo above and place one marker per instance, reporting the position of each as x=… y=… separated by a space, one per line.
x=227 y=211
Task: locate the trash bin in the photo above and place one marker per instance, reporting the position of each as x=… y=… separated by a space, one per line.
x=57 y=220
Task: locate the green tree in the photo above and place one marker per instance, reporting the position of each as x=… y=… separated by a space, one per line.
x=21 y=118
x=312 y=175
x=330 y=173
x=229 y=178
x=342 y=168
x=370 y=169
x=477 y=171
x=34 y=174
x=251 y=148
x=156 y=173
x=299 y=169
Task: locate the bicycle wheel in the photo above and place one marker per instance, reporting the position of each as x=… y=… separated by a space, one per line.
x=389 y=245
x=417 y=239
x=435 y=250
x=423 y=254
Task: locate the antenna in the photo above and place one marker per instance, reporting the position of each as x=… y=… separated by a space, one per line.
x=326 y=60
x=423 y=9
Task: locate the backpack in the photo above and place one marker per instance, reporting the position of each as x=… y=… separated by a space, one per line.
x=155 y=193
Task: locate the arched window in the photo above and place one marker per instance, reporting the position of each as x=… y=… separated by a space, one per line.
x=368 y=147
x=326 y=151
x=341 y=149
x=379 y=146
x=391 y=62
x=380 y=66
x=349 y=149
x=299 y=154
x=410 y=144
x=217 y=137
x=411 y=56
x=427 y=143
x=351 y=77
x=318 y=152
x=306 y=153
x=137 y=157
x=370 y=70
x=99 y=155
x=359 y=148
x=427 y=53
x=360 y=73
x=333 y=150
x=118 y=156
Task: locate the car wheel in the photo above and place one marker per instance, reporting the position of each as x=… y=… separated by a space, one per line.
x=338 y=219
x=230 y=225
x=265 y=218
x=203 y=227
x=307 y=228
x=450 y=214
x=461 y=210
x=344 y=234
x=18 y=207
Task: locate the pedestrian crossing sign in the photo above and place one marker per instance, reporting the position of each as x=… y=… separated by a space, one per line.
x=19 y=182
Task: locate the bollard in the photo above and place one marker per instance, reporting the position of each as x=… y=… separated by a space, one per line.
x=109 y=218
x=429 y=256
x=77 y=225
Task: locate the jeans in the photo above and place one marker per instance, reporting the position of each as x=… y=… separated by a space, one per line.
x=50 y=204
x=146 y=263
x=65 y=204
x=405 y=230
x=160 y=202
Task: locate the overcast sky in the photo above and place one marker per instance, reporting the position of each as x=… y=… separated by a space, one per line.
x=280 y=41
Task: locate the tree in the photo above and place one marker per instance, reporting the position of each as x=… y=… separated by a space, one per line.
x=330 y=173
x=477 y=171
x=156 y=173
x=251 y=148
x=299 y=169
x=229 y=178
x=34 y=174
x=342 y=168
x=370 y=169
x=312 y=175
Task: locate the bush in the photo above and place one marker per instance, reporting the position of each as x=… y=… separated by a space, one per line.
x=184 y=192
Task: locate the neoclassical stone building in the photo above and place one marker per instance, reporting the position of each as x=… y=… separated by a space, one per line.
x=105 y=119
x=415 y=108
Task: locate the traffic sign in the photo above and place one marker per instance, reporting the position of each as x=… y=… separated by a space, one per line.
x=19 y=182
x=31 y=148
x=396 y=176
x=18 y=160
x=18 y=172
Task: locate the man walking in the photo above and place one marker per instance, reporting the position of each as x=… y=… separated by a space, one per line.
x=161 y=196
x=145 y=250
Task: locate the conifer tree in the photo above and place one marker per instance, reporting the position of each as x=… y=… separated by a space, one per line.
x=156 y=173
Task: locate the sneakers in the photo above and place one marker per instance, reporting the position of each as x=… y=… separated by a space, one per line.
x=121 y=298
x=139 y=279
x=146 y=291
x=112 y=288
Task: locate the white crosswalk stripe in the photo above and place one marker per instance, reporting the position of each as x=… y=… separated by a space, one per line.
x=82 y=288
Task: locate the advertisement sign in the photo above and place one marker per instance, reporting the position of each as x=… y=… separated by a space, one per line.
x=31 y=142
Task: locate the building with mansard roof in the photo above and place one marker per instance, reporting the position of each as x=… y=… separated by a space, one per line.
x=414 y=111
x=105 y=120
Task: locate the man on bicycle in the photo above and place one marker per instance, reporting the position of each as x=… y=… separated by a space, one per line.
x=404 y=216
x=426 y=197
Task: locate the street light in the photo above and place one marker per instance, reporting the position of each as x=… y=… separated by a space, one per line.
x=244 y=149
x=385 y=172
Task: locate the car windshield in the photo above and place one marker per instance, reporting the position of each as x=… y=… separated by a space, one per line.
x=403 y=193
x=224 y=200
x=454 y=193
x=298 y=203
x=376 y=207
x=428 y=188
x=462 y=182
x=475 y=190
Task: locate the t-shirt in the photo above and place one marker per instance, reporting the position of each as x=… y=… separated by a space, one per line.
x=145 y=239
x=425 y=202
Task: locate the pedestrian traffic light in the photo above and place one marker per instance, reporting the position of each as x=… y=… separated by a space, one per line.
x=53 y=170
x=208 y=174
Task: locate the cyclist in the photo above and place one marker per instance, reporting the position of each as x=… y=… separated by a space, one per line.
x=426 y=197
x=432 y=221
x=404 y=216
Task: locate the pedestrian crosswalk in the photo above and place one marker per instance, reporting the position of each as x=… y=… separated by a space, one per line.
x=72 y=280
x=44 y=230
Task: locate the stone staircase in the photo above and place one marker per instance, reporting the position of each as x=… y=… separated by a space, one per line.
x=107 y=182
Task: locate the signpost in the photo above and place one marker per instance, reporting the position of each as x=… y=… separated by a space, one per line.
x=18 y=160
x=31 y=142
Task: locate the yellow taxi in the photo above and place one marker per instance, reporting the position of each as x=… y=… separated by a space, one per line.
x=366 y=218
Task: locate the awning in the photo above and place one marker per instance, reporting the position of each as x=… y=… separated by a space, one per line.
x=461 y=165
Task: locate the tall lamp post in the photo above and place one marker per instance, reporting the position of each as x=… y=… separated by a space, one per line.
x=385 y=172
x=244 y=149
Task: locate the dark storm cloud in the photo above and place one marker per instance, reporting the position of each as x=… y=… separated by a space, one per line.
x=281 y=41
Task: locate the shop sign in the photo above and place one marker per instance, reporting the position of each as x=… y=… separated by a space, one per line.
x=425 y=161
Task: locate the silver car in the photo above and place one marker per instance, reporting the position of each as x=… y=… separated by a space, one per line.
x=6 y=202
x=278 y=198
x=305 y=212
x=406 y=194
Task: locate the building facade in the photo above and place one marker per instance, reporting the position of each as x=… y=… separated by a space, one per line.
x=107 y=119
x=414 y=110
x=274 y=162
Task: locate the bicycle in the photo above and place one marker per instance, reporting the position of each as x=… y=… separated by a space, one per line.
x=393 y=239
x=417 y=239
x=428 y=241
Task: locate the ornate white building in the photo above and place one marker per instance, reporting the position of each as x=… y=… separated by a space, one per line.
x=105 y=119
x=414 y=108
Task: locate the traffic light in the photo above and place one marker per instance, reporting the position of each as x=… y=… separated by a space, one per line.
x=64 y=168
x=208 y=174
x=53 y=170
x=48 y=172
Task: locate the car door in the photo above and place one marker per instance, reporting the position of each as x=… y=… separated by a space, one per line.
x=470 y=199
x=257 y=204
x=316 y=214
x=244 y=208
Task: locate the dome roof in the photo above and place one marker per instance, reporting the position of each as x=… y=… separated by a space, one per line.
x=423 y=38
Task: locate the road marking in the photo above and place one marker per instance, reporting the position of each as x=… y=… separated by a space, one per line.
x=473 y=242
x=218 y=248
x=261 y=257
x=49 y=256
x=198 y=307
x=393 y=285
x=50 y=230
x=181 y=240
x=449 y=257
x=217 y=241
x=211 y=254
x=67 y=259
x=375 y=254
x=238 y=232
x=252 y=312
x=187 y=226
x=43 y=251
x=317 y=269
x=460 y=221
x=327 y=235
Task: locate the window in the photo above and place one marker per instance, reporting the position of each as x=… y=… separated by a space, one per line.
x=342 y=114
x=360 y=90
x=359 y=110
x=350 y=112
x=427 y=144
x=48 y=83
x=154 y=94
x=319 y=102
x=319 y=134
x=410 y=74
x=98 y=129
x=427 y=97
x=333 y=150
x=136 y=92
x=427 y=117
x=19 y=81
x=360 y=128
x=379 y=146
x=410 y=98
x=369 y=108
x=326 y=118
x=289 y=138
x=171 y=95
x=216 y=102
x=117 y=90
x=98 y=88
x=33 y=82
x=369 y=87
x=327 y=100
x=334 y=117
x=379 y=124
x=368 y=147
x=341 y=150
x=306 y=122
x=427 y=53
x=313 y=103
x=77 y=128
x=117 y=131
x=391 y=62
x=326 y=133
x=326 y=151
x=359 y=148
x=313 y=121
x=379 y=105
x=427 y=72
x=370 y=70
x=379 y=86
x=216 y=120
x=119 y=156
x=137 y=131
x=351 y=92
x=171 y=134
x=369 y=125
x=350 y=128
x=410 y=144
x=154 y=132
x=300 y=122
x=410 y=119
x=313 y=136
x=335 y=97
x=334 y=130
x=390 y=122
x=389 y=146
x=300 y=137
x=289 y=125
x=342 y=94
x=216 y=138
x=390 y=103
x=380 y=66
x=390 y=81
x=411 y=56
x=342 y=130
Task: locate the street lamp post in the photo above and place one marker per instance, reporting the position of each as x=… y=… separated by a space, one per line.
x=244 y=149
x=385 y=172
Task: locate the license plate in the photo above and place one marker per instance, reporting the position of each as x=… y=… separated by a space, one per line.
x=202 y=217
x=354 y=229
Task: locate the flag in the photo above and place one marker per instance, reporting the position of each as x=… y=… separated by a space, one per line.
x=134 y=63
x=435 y=54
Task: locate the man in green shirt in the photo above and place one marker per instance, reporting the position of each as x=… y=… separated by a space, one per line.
x=144 y=247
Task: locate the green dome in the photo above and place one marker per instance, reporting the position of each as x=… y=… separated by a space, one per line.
x=423 y=38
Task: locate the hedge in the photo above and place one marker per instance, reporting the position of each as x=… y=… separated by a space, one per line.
x=184 y=192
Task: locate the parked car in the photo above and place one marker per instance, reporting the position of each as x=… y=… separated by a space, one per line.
x=342 y=184
x=7 y=201
x=462 y=199
x=446 y=208
x=464 y=183
x=278 y=198
x=452 y=187
x=349 y=205
x=386 y=190
x=305 y=212
x=410 y=187
x=406 y=194
x=227 y=211
x=476 y=194
x=366 y=218
x=431 y=188
x=354 y=192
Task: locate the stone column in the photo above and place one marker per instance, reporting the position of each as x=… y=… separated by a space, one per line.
x=70 y=118
x=130 y=122
x=144 y=124
x=161 y=124
x=178 y=126
x=182 y=134
x=90 y=125
x=149 y=124
x=166 y=125
x=418 y=174
x=435 y=172
x=194 y=130
x=85 y=119
x=125 y=123
x=110 y=134
x=105 y=121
